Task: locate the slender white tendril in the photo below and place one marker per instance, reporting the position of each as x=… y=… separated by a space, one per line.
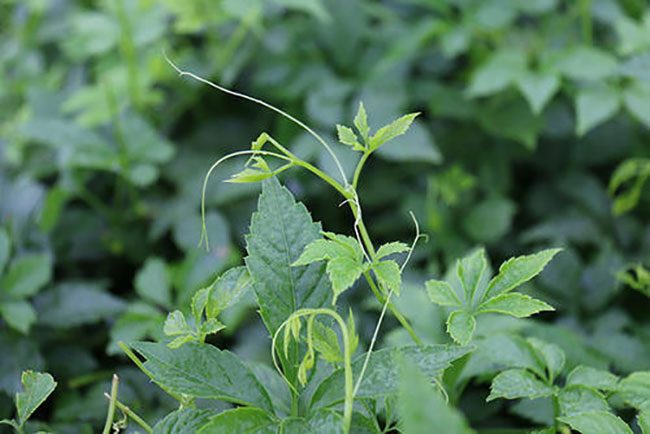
x=253 y=152
x=383 y=310
x=355 y=202
x=267 y=105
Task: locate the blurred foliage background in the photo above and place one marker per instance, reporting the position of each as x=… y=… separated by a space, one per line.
x=528 y=109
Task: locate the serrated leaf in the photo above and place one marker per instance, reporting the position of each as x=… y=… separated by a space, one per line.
x=382 y=374
x=258 y=171
x=514 y=304
x=19 y=315
x=326 y=343
x=538 y=88
x=361 y=122
x=470 y=270
x=518 y=383
x=347 y=137
x=175 y=324
x=423 y=410
x=5 y=248
x=552 y=356
x=36 y=388
x=389 y=274
x=153 y=282
x=204 y=371
x=517 y=271
x=184 y=421
x=592 y=377
x=596 y=422
x=343 y=272
x=392 y=130
x=392 y=248
x=241 y=420
x=26 y=276
x=636 y=99
x=211 y=326
x=595 y=105
x=280 y=231
x=578 y=399
x=460 y=326
x=441 y=293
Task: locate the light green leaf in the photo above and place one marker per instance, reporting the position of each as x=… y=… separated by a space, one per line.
x=204 y=371
x=361 y=122
x=552 y=356
x=592 y=377
x=518 y=383
x=389 y=273
x=228 y=290
x=5 y=248
x=326 y=343
x=343 y=271
x=36 y=388
x=241 y=420
x=460 y=326
x=519 y=270
x=391 y=248
x=382 y=374
x=184 y=421
x=26 y=276
x=347 y=137
x=392 y=130
x=318 y=250
x=153 y=283
x=211 y=326
x=538 y=88
x=578 y=399
x=587 y=63
x=258 y=171
x=596 y=422
x=635 y=389
x=637 y=169
x=441 y=293
x=498 y=72
x=175 y=324
x=280 y=231
x=643 y=419
x=637 y=101
x=470 y=270
x=514 y=304
x=423 y=410
x=19 y=315
x=595 y=105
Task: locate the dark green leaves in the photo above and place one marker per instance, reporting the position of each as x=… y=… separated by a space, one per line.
x=204 y=371
x=475 y=296
x=241 y=420
x=280 y=231
x=518 y=383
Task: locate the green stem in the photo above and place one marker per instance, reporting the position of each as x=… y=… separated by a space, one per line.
x=357 y=172
x=403 y=321
x=556 y=413
x=131 y=414
x=111 y=406
x=128 y=51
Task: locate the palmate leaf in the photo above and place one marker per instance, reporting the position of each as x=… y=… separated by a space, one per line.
x=517 y=271
x=204 y=371
x=280 y=231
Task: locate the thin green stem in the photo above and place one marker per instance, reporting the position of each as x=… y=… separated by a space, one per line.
x=128 y=51
x=556 y=413
x=140 y=366
x=400 y=318
x=357 y=171
x=111 y=405
x=131 y=414
x=585 y=21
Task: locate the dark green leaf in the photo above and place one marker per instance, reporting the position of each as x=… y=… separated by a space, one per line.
x=592 y=377
x=594 y=105
x=518 y=383
x=36 y=388
x=241 y=420
x=596 y=422
x=18 y=314
x=204 y=371
x=153 y=283
x=26 y=276
x=280 y=231
x=185 y=421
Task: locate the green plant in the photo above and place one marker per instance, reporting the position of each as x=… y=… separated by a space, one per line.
x=36 y=388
